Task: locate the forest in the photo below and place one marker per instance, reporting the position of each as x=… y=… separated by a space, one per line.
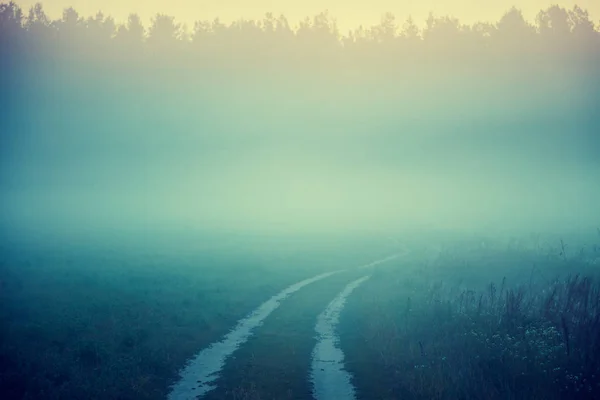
x=558 y=35
x=547 y=68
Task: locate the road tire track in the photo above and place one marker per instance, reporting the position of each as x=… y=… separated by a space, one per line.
x=275 y=362
x=201 y=372
x=198 y=376
x=329 y=378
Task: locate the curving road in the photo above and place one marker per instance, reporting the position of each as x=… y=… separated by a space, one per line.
x=328 y=378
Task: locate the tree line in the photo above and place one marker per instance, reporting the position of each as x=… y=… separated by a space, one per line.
x=511 y=73
x=557 y=33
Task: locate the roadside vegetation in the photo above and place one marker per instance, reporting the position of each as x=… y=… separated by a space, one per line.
x=441 y=331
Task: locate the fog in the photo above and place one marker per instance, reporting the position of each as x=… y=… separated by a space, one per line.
x=301 y=158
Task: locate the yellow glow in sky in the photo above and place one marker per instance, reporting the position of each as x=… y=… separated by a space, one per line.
x=349 y=13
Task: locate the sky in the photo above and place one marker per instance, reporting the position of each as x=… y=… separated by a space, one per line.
x=349 y=13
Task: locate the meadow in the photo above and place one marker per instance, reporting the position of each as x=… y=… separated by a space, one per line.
x=461 y=319
x=118 y=322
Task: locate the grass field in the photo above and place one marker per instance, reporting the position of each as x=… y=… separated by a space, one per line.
x=454 y=321
x=118 y=323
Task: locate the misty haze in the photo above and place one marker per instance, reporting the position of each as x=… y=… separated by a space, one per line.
x=262 y=211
